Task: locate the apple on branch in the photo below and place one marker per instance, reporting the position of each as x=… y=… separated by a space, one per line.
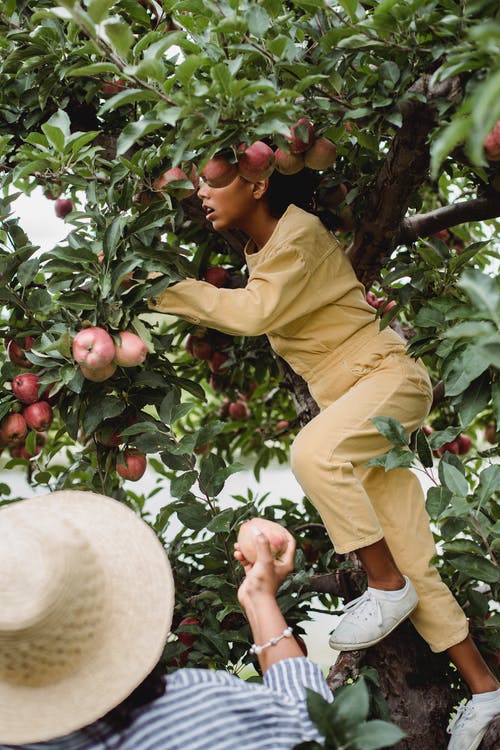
x=99 y=374
x=93 y=348
x=217 y=276
x=167 y=182
x=15 y=351
x=255 y=162
x=63 y=207
x=302 y=136
x=131 y=464
x=321 y=155
x=13 y=428
x=288 y=163
x=219 y=171
x=130 y=349
x=25 y=387
x=38 y=416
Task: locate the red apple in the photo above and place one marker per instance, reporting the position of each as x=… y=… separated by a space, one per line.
x=132 y=464
x=63 y=206
x=334 y=196
x=490 y=433
x=274 y=532
x=187 y=638
x=99 y=374
x=282 y=424
x=109 y=434
x=288 y=163
x=255 y=162
x=301 y=136
x=16 y=353
x=217 y=276
x=219 y=172
x=492 y=143
x=163 y=183
x=442 y=234
x=38 y=416
x=239 y=411
x=202 y=348
x=464 y=444
x=321 y=155
x=25 y=387
x=13 y=428
x=217 y=362
x=451 y=447
x=130 y=350
x=93 y=348
x=427 y=429
x=113 y=87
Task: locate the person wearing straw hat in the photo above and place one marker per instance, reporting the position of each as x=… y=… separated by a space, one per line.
x=86 y=604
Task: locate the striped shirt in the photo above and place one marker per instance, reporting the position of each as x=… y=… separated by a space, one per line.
x=212 y=710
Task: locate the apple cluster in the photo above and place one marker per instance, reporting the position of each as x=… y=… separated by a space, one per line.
x=460 y=446
x=254 y=162
x=98 y=354
x=33 y=408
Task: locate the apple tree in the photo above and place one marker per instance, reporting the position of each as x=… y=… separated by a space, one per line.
x=113 y=109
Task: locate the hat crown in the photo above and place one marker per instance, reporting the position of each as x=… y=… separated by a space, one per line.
x=52 y=597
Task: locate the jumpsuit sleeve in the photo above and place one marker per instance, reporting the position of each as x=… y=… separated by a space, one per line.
x=274 y=296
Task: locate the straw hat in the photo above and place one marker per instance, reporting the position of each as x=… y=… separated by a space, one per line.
x=86 y=602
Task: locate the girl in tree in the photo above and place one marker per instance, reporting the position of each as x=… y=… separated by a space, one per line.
x=303 y=294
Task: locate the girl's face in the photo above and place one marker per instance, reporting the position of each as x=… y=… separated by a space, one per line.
x=234 y=206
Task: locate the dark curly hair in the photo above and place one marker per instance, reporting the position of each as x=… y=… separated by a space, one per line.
x=298 y=189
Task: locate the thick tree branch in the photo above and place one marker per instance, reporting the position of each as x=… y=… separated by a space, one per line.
x=423 y=225
x=403 y=170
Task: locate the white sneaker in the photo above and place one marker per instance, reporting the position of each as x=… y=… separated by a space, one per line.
x=469 y=725
x=371 y=617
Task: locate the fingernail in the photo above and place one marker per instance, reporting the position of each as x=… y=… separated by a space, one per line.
x=256 y=531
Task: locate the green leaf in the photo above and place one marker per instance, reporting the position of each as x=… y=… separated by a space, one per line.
x=377 y=734
x=94 y=69
x=424 y=450
x=134 y=131
x=489 y=483
x=98 y=9
x=222 y=522
x=482 y=291
x=181 y=484
x=453 y=479
x=194 y=516
x=392 y=430
x=351 y=704
x=474 y=399
x=438 y=499
x=258 y=20
x=100 y=409
x=120 y=36
x=128 y=96
x=477 y=568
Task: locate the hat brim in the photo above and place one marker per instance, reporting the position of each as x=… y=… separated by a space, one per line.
x=140 y=601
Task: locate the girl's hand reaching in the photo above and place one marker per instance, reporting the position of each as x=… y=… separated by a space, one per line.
x=266 y=574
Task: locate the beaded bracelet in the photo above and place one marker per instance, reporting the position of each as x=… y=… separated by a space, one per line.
x=254 y=649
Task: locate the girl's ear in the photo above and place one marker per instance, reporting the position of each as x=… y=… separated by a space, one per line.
x=260 y=188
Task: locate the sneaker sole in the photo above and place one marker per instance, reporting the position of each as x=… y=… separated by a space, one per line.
x=366 y=644
x=477 y=739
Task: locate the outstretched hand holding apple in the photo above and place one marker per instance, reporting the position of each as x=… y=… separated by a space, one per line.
x=257 y=596
x=266 y=550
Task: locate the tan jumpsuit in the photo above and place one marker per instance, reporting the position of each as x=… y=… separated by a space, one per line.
x=303 y=294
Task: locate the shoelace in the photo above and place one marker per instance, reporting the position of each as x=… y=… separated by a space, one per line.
x=366 y=601
x=464 y=712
